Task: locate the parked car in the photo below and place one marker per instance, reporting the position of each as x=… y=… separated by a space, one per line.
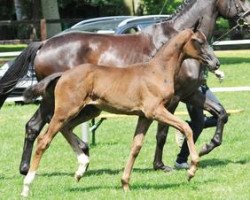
x=102 y=25
x=117 y=24
x=28 y=80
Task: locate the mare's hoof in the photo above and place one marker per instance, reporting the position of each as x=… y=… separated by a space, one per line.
x=204 y=150
x=24 y=168
x=163 y=167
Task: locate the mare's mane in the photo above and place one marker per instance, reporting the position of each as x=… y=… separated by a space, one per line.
x=166 y=26
x=181 y=9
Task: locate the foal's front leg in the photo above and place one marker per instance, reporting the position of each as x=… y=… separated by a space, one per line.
x=162 y=115
x=141 y=129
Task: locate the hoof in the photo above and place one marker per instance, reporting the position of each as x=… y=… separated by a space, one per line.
x=25 y=192
x=190 y=174
x=78 y=177
x=24 y=168
x=204 y=150
x=125 y=187
x=163 y=167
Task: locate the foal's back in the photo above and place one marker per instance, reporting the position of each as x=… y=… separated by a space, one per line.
x=105 y=87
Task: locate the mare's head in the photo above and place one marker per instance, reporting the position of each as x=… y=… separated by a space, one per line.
x=237 y=9
x=198 y=48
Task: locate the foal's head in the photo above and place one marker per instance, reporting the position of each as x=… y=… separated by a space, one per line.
x=198 y=48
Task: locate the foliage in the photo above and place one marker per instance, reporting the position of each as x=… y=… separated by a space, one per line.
x=155 y=6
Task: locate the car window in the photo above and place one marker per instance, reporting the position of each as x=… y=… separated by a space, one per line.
x=130 y=30
x=100 y=26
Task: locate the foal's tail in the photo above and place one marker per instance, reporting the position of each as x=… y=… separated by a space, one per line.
x=17 y=70
x=39 y=89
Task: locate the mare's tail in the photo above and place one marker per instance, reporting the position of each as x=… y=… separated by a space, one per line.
x=39 y=89
x=17 y=70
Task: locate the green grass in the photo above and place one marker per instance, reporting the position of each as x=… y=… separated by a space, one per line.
x=12 y=47
x=223 y=174
x=235 y=64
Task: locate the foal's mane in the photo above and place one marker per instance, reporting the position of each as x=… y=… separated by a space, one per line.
x=163 y=27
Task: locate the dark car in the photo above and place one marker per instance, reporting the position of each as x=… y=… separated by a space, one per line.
x=102 y=25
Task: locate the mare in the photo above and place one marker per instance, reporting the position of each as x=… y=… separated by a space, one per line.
x=145 y=91
x=63 y=52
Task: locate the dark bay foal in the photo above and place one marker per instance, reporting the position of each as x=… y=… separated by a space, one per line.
x=139 y=89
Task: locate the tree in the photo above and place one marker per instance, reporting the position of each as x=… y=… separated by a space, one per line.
x=50 y=11
x=159 y=6
x=20 y=10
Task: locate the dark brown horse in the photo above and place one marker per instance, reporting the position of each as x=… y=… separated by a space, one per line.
x=142 y=89
x=66 y=51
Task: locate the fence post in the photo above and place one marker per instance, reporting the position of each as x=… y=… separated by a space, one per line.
x=85 y=131
x=43 y=29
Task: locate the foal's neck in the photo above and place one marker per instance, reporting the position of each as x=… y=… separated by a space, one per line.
x=170 y=57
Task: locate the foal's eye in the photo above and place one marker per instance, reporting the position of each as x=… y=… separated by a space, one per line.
x=199 y=42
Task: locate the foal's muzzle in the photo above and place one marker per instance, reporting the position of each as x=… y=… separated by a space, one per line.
x=212 y=62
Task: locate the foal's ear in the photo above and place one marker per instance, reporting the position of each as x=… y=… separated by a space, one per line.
x=197 y=25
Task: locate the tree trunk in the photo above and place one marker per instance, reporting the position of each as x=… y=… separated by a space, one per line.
x=20 y=11
x=134 y=7
x=50 y=11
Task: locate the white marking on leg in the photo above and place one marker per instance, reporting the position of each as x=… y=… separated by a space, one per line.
x=26 y=183
x=83 y=161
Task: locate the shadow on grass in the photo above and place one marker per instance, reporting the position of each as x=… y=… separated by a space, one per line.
x=219 y=162
x=141 y=186
x=95 y=172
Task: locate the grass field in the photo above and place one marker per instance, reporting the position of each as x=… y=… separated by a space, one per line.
x=223 y=174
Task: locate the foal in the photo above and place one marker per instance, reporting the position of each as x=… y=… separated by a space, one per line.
x=140 y=89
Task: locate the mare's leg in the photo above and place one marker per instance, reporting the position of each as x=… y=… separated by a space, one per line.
x=213 y=105
x=33 y=128
x=141 y=129
x=196 y=124
x=164 y=116
x=210 y=103
x=161 y=136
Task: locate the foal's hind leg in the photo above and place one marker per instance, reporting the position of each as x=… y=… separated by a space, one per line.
x=83 y=159
x=36 y=123
x=86 y=114
x=164 y=116
x=60 y=118
x=141 y=129
x=42 y=144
